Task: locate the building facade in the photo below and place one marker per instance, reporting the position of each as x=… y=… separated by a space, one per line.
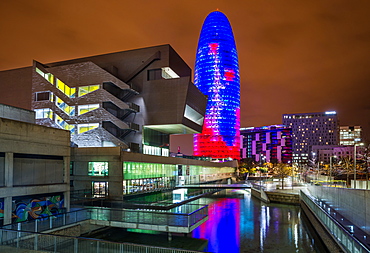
x=112 y=173
x=34 y=168
x=350 y=135
x=309 y=129
x=217 y=76
x=132 y=99
x=268 y=143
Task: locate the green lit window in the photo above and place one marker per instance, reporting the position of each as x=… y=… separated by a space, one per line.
x=87 y=108
x=87 y=127
x=83 y=90
x=44 y=113
x=98 y=169
x=38 y=71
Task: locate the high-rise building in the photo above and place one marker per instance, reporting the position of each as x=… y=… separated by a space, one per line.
x=217 y=76
x=349 y=135
x=309 y=129
x=131 y=99
x=268 y=143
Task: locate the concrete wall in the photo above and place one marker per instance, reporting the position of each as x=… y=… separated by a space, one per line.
x=353 y=204
x=34 y=161
x=15 y=113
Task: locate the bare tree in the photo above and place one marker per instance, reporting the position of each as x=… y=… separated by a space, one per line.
x=282 y=170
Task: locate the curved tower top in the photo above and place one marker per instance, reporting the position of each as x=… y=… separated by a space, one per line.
x=217 y=76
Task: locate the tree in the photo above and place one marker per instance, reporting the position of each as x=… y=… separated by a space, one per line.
x=247 y=166
x=282 y=170
x=347 y=165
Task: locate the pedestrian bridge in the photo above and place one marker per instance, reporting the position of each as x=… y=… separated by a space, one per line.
x=215 y=186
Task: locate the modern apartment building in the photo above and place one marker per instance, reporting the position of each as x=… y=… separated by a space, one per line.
x=350 y=135
x=132 y=99
x=309 y=129
x=268 y=143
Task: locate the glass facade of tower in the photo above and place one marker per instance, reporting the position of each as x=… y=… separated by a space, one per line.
x=217 y=76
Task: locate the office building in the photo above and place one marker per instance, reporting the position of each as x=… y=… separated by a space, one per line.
x=349 y=135
x=309 y=129
x=266 y=144
x=132 y=99
x=217 y=76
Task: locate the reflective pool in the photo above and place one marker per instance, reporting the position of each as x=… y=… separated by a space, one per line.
x=239 y=222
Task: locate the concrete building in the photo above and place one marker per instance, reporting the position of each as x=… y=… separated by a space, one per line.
x=268 y=143
x=34 y=168
x=349 y=135
x=112 y=173
x=309 y=129
x=132 y=99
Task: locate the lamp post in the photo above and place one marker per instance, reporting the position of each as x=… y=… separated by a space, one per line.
x=331 y=165
x=354 y=161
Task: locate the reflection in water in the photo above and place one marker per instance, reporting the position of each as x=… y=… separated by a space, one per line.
x=246 y=224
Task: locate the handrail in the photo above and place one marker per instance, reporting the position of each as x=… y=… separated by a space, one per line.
x=341 y=235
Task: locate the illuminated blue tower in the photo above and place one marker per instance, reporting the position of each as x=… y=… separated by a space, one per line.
x=217 y=76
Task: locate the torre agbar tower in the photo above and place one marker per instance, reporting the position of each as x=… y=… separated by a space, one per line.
x=217 y=76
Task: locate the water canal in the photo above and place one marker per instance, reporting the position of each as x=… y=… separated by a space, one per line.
x=237 y=222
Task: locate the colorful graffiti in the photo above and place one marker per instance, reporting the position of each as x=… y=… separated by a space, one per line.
x=36 y=208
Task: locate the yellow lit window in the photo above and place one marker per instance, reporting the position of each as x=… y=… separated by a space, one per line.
x=87 y=108
x=87 y=127
x=87 y=89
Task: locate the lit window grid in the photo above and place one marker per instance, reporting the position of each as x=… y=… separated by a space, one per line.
x=217 y=76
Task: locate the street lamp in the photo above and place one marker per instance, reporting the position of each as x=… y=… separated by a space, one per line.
x=331 y=164
x=354 y=161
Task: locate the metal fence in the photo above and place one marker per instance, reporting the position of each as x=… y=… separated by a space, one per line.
x=343 y=235
x=65 y=244
x=167 y=218
x=184 y=216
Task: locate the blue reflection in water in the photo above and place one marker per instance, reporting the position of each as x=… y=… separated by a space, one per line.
x=246 y=224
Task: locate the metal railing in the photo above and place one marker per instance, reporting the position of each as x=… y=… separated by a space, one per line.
x=344 y=236
x=66 y=244
x=185 y=216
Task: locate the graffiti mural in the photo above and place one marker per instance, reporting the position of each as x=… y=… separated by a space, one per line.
x=38 y=207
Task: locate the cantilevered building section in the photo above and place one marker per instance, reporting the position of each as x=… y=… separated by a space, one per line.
x=217 y=76
x=131 y=99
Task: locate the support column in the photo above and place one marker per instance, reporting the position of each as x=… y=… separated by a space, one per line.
x=8 y=182
x=9 y=169
x=66 y=180
x=8 y=210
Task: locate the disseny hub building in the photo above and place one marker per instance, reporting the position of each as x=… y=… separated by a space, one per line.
x=132 y=99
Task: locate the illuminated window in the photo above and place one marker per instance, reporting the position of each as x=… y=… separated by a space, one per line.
x=70 y=92
x=63 y=124
x=193 y=115
x=98 y=169
x=162 y=73
x=44 y=113
x=87 y=89
x=87 y=127
x=99 y=189
x=69 y=110
x=87 y=108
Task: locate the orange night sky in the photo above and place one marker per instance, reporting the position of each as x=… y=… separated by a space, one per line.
x=294 y=56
